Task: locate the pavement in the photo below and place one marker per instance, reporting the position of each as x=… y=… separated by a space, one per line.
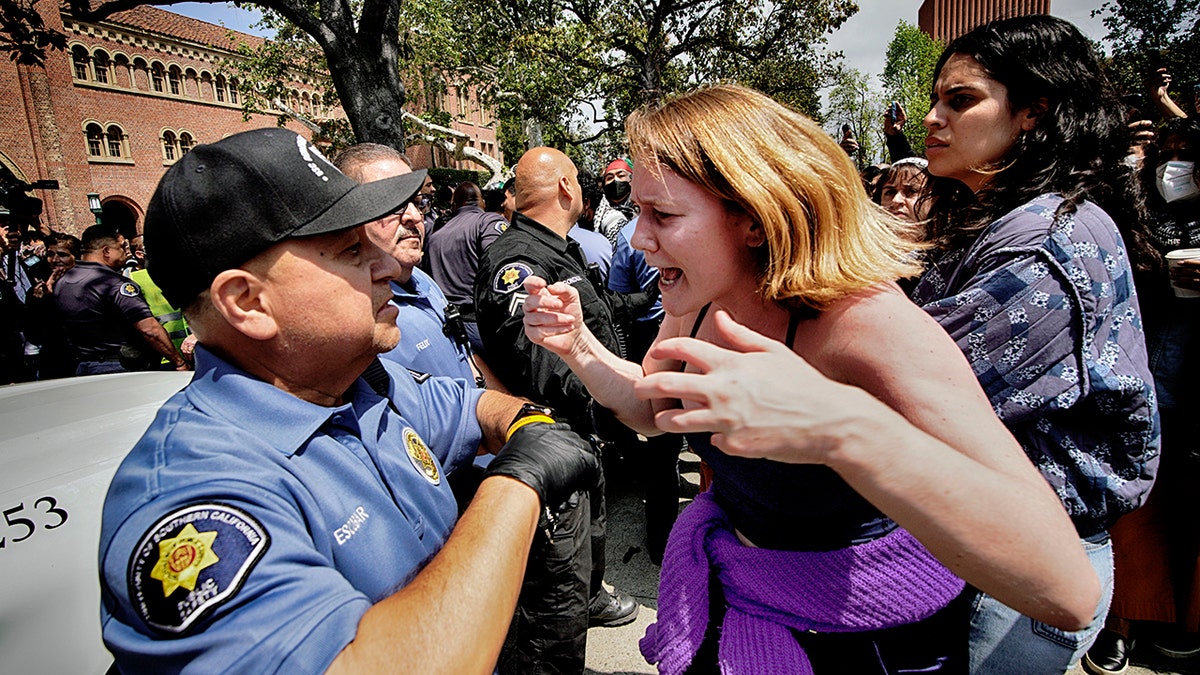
x=614 y=651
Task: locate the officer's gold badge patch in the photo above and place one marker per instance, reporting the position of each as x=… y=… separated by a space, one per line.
x=191 y=561
x=510 y=277
x=181 y=558
x=421 y=458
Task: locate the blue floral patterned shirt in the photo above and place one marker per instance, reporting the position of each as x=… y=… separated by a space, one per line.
x=1045 y=311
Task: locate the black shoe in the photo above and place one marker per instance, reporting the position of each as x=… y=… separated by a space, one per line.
x=611 y=609
x=1177 y=644
x=1109 y=655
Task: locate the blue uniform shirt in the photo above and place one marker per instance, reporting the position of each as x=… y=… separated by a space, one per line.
x=595 y=248
x=423 y=345
x=630 y=273
x=250 y=530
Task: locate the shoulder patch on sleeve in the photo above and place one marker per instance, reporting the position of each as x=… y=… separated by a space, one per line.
x=129 y=290
x=516 y=304
x=191 y=562
x=510 y=277
x=418 y=375
x=500 y=226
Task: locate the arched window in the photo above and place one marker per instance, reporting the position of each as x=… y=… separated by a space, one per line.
x=101 y=62
x=174 y=77
x=185 y=143
x=81 y=58
x=123 y=71
x=95 y=140
x=191 y=83
x=461 y=94
x=220 y=88
x=233 y=93
x=116 y=141
x=168 y=143
x=156 y=77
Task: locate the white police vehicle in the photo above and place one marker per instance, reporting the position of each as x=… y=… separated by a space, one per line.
x=60 y=444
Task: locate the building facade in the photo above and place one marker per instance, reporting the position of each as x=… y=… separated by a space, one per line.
x=130 y=96
x=945 y=20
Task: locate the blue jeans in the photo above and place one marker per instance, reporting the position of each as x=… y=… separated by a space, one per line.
x=1004 y=641
x=99 y=367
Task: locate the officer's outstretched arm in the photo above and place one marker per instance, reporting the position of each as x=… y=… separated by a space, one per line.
x=495 y=412
x=453 y=617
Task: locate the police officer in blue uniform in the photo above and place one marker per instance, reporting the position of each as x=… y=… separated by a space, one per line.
x=283 y=514
x=105 y=315
x=425 y=342
x=433 y=339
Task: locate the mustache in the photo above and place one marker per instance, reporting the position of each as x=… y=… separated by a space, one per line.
x=407 y=232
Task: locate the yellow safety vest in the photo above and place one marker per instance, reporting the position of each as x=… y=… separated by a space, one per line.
x=170 y=318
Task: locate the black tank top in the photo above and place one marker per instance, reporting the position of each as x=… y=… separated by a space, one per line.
x=793 y=507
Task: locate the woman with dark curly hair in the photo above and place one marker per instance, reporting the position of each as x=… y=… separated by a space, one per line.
x=1036 y=225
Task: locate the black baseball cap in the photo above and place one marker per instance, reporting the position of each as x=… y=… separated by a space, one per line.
x=224 y=203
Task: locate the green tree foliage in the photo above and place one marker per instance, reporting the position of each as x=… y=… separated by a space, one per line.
x=853 y=101
x=546 y=59
x=1144 y=35
x=24 y=35
x=536 y=62
x=908 y=77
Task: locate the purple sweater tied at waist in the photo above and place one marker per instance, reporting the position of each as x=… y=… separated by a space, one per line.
x=881 y=584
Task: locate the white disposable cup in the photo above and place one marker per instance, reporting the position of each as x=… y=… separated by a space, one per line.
x=1173 y=258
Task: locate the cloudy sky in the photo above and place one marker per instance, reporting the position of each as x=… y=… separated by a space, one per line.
x=864 y=38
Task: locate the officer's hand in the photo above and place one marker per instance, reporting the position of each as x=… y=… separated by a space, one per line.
x=553 y=315
x=551 y=459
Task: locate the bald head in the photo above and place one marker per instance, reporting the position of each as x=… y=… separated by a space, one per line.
x=547 y=189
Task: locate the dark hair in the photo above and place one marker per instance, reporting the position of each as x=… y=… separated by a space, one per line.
x=71 y=243
x=32 y=236
x=466 y=194
x=592 y=194
x=97 y=237
x=1076 y=149
x=905 y=171
x=493 y=200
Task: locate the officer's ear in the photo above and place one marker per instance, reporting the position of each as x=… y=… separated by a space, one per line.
x=238 y=295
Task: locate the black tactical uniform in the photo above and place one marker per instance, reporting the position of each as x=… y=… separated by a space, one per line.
x=99 y=308
x=528 y=248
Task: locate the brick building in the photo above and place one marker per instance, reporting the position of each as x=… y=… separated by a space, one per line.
x=131 y=95
x=945 y=20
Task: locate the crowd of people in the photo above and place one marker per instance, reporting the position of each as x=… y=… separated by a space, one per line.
x=942 y=403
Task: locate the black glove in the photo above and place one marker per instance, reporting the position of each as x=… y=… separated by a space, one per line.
x=628 y=307
x=551 y=459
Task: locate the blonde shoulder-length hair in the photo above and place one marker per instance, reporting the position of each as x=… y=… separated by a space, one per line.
x=825 y=238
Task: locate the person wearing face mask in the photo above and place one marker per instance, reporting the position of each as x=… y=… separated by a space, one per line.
x=616 y=208
x=1157 y=548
